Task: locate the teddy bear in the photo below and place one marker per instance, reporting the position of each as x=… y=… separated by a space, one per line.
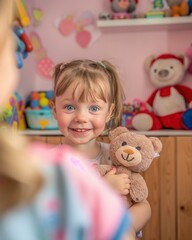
x=131 y=153
x=169 y=105
x=123 y=9
x=178 y=7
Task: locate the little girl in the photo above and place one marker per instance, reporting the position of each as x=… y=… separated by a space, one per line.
x=87 y=100
x=44 y=192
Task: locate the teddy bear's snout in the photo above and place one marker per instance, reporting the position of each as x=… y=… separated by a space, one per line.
x=163 y=73
x=128 y=151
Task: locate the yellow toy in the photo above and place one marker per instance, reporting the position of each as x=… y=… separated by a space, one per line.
x=23 y=16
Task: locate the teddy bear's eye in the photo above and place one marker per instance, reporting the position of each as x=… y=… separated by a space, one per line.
x=171 y=67
x=124 y=143
x=138 y=148
x=155 y=70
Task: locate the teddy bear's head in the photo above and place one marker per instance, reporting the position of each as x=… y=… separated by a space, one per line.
x=166 y=69
x=132 y=150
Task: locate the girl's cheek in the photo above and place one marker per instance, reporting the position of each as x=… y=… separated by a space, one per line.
x=100 y=121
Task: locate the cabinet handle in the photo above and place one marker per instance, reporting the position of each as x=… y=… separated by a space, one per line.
x=182 y=208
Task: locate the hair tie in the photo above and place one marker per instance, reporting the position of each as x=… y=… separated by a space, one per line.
x=62 y=66
x=101 y=64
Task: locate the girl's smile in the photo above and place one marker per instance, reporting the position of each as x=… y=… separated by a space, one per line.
x=80 y=132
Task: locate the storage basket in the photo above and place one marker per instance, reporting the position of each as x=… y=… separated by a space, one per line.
x=41 y=119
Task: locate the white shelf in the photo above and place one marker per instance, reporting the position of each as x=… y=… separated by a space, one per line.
x=166 y=22
x=163 y=132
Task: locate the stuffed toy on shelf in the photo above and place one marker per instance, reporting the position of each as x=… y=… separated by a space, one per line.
x=123 y=9
x=169 y=105
x=132 y=154
x=178 y=7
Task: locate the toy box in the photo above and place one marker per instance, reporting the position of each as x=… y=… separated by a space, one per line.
x=40 y=119
x=38 y=111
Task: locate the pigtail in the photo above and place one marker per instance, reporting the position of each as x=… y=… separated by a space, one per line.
x=117 y=94
x=57 y=72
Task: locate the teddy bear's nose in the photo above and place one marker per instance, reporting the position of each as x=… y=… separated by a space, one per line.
x=128 y=151
x=163 y=73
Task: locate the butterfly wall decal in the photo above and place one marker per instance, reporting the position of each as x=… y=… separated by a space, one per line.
x=83 y=27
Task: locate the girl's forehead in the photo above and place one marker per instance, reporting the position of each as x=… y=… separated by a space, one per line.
x=83 y=91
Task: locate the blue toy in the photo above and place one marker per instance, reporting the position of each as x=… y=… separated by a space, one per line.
x=190 y=6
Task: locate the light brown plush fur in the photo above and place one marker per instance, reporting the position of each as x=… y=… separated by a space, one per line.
x=132 y=153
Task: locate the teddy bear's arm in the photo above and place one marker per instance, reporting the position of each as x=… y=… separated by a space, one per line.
x=138 y=189
x=186 y=92
x=151 y=99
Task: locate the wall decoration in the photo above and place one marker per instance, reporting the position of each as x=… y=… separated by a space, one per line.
x=37 y=14
x=44 y=64
x=86 y=33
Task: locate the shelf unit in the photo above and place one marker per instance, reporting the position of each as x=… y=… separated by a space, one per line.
x=164 y=23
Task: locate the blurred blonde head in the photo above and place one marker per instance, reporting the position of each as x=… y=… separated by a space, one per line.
x=8 y=69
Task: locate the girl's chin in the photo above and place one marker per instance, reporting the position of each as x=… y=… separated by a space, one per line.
x=81 y=140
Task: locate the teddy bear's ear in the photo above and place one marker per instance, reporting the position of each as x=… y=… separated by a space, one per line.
x=147 y=63
x=117 y=131
x=157 y=144
x=185 y=61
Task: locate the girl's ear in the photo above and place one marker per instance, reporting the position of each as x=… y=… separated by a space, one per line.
x=52 y=104
x=110 y=113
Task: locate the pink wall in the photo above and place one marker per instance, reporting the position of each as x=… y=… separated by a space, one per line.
x=126 y=49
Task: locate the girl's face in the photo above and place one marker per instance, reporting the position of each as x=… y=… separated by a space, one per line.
x=80 y=122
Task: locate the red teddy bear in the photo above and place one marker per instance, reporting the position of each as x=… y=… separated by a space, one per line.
x=169 y=105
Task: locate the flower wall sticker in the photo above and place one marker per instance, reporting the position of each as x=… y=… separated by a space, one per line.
x=84 y=28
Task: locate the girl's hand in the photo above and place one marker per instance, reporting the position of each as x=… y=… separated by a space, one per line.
x=130 y=235
x=120 y=182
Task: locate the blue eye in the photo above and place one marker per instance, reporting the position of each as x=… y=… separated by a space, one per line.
x=93 y=108
x=69 y=107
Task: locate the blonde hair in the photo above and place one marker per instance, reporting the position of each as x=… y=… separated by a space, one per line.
x=7 y=14
x=8 y=69
x=100 y=80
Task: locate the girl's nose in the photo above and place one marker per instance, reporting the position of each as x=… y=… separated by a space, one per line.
x=81 y=117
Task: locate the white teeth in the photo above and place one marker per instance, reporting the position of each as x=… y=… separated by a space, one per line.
x=80 y=130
